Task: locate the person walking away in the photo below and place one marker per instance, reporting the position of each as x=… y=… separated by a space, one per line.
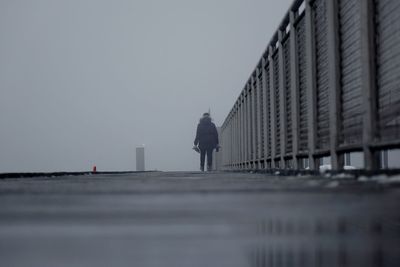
x=206 y=140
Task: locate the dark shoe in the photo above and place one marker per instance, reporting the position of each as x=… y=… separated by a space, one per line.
x=209 y=168
x=202 y=168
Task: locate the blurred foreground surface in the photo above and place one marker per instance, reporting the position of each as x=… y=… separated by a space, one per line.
x=195 y=219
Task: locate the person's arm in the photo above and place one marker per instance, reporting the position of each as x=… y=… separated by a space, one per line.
x=216 y=135
x=196 y=140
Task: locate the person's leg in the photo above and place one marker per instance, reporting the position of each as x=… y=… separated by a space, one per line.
x=202 y=158
x=209 y=158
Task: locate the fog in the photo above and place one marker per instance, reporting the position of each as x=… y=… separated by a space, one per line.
x=83 y=82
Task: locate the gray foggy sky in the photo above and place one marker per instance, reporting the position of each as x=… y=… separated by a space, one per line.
x=84 y=82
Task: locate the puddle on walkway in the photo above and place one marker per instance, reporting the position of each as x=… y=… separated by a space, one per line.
x=274 y=229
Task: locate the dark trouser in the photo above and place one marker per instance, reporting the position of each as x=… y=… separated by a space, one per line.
x=203 y=152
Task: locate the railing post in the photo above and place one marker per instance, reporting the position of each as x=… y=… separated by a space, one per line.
x=248 y=132
x=248 y=129
x=259 y=123
x=272 y=106
x=240 y=129
x=240 y=105
x=227 y=142
x=337 y=160
x=282 y=98
x=223 y=134
x=221 y=141
x=224 y=155
x=243 y=124
x=294 y=78
x=235 y=136
x=232 y=123
x=369 y=86
x=311 y=86
x=265 y=124
x=237 y=141
x=253 y=122
x=238 y=133
x=231 y=141
x=244 y=130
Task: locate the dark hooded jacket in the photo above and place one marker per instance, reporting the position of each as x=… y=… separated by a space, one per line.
x=206 y=134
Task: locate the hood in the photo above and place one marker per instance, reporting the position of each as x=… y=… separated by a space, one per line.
x=205 y=120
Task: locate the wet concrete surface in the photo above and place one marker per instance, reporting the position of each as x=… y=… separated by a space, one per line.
x=198 y=219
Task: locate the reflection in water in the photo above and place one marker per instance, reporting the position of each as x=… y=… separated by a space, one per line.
x=322 y=242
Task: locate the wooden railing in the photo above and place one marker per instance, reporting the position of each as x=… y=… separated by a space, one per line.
x=327 y=84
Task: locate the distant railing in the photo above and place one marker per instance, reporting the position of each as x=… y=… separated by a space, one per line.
x=327 y=84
